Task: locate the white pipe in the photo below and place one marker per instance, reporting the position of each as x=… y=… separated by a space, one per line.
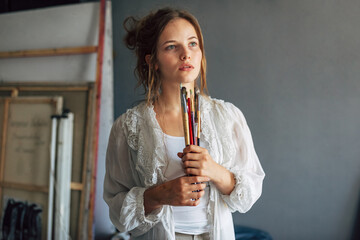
x=51 y=177
x=63 y=178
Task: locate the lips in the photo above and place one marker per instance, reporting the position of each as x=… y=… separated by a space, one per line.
x=186 y=67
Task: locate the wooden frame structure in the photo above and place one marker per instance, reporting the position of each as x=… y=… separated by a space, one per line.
x=50 y=52
x=26 y=89
x=87 y=185
x=24 y=151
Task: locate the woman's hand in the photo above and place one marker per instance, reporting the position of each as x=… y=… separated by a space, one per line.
x=198 y=162
x=181 y=191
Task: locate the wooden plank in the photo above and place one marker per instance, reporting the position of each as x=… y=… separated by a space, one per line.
x=30 y=100
x=49 y=52
x=56 y=101
x=86 y=166
x=15 y=90
x=48 y=87
x=3 y=146
x=77 y=186
x=26 y=187
x=9 y=89
x=53 y=89
x=98 y=84
x=3 y=141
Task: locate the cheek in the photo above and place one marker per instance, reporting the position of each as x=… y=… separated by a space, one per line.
x=198 y=57
x=166 y=62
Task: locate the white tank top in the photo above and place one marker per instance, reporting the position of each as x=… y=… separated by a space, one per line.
x=188 y=219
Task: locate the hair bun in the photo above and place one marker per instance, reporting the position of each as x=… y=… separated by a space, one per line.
x=131 y=27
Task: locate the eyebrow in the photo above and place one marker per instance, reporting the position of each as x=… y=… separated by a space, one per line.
x=172 y=41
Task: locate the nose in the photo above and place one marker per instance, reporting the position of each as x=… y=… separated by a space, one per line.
x=185 y=55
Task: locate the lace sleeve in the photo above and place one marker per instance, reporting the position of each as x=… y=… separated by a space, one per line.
x=245 y=165
x=122 y=191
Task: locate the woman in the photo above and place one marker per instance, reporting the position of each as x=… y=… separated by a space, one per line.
x=156 y=188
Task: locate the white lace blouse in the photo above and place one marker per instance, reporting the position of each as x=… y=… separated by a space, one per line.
x=136 y=160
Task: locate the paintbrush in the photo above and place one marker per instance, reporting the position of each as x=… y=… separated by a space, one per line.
x=198 y=119
x=190 y=122
x=192 y=114
x=185 y=116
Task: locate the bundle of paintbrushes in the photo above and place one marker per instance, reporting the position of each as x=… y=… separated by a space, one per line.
x=190 y=105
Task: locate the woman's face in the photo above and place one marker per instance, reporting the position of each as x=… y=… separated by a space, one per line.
x=178 y=53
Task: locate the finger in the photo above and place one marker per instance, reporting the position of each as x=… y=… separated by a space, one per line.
x=191 y=156
x=198 y=187
x=195 y=172
x=197 y=194
x=180 y=154
x=193 y=148
x=196 y=179
x=192 y=202
x=191 y=164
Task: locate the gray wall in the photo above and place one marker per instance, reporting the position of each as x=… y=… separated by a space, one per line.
x=293 y=68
